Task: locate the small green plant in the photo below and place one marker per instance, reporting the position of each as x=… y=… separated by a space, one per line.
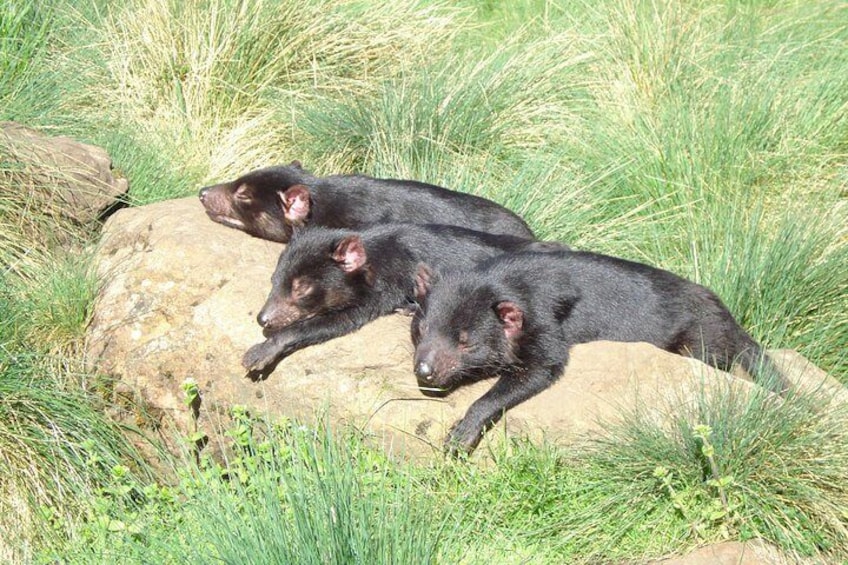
x=191 y=398
x=717 y=481
x=703 y=512
x=666 y=478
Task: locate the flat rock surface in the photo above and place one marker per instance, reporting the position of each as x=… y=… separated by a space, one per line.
x=179 y=298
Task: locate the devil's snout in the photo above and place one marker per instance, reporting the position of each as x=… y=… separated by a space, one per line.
x=263 y=318
x=424 y=362
x=424 y=370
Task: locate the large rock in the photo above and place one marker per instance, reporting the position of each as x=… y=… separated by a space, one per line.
x=732 y=553
x=179 y=298
x=73 y=179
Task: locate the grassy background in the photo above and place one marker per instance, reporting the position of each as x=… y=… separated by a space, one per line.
x=707 y=138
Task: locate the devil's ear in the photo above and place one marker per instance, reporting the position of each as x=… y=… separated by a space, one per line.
x=350 y=254
x=296 y=203
x=244 y=191
x=424 y=280
x=511 y=317
x=296 y=165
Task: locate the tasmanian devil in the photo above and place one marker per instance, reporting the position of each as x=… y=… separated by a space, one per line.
x=517 y=315
x=329 y=282
x=269 y=203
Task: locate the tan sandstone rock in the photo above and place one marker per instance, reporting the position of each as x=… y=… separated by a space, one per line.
x=72 y=177
x=179 y=298
x=731 y=553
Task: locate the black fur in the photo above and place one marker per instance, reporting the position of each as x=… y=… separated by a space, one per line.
x=517 y=316
x=270 y=203
x=329 y=282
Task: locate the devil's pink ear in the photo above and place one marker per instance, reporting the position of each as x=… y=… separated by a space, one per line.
x=512 y=318
x=424 y=279
x=350 y=254
x=296 y=203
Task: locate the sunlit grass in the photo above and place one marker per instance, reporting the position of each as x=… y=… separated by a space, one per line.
x=646 y=486
x=56 y=451
x=481 y=103
x=24 y=35
x=51 y=304
x=728 y=465
x=220 y=83
x=708 y=139
x=782 y=461
x=287 y=494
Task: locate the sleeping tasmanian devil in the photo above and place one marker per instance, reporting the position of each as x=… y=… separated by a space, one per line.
x=517 y=316
x=330 y=282
x=269 y=203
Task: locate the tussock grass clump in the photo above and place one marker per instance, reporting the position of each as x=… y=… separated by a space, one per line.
x=322 y=502
x=56 y=451
x=783 y=277
x=286 y=494
x=741 y=465
x=462 y=110
x=221 y=82
x=51 y=304
x=25 y=27
x=724 y=466
x=549 y=505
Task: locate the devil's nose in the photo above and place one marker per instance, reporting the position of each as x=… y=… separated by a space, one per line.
x=262 y=319
x=203 y=191
x=423 y=370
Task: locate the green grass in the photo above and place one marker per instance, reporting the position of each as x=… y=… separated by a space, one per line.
x=645 y=488
x=287 y=494
x=783 y=463
x=215 y=85
x=784 y=281
x=321 y=502
x=477 y=104
x=727 y=465
x=708 y=139
x=51 y=305
x=25 y=30
x=56 y=448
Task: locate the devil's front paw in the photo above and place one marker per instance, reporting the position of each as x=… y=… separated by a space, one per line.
x=261 y=356
x=463 y=439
